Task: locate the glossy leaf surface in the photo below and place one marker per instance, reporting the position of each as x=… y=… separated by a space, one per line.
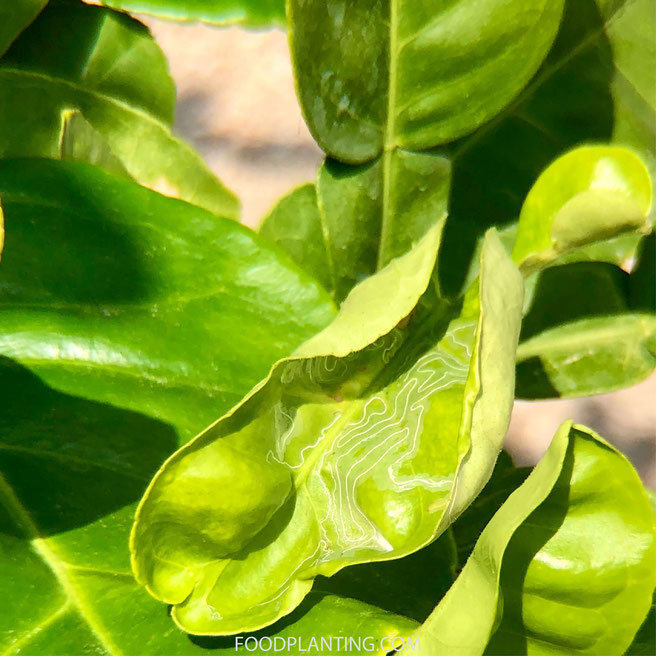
x=246 y=13
x=567 y=565
x=411 y=74
x=106 y=66
x=15 y=16
x=124 y=296
x=588 y=195
x=356 y=219
x=587 y=331
x=131 y=320
x=592 y=88
x=336 y=439
x=295 y=225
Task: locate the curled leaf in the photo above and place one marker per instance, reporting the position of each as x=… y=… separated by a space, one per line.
x=590 y=194
x=363 y=446
x=567 y=565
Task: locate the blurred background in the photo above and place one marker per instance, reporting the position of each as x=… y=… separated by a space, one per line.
x=237 y=106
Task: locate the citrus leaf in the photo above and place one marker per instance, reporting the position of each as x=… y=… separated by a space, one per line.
x=129 y=321
x=566 y=566
x=106 y=66
x=590 y=194
x=245 y=13
x=15 y=17
x=579 y=315
x=592 y=88
x=334 y=440
x=431 y=72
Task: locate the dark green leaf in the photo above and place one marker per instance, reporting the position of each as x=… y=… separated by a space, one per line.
x=124 y=296
x=15 y=16
x=583 y=93
x=364 y=216
x=566 y=566
x=295 y=225
x=374 y=76
x=245 y=13
x=133 y=320
x=106 y=66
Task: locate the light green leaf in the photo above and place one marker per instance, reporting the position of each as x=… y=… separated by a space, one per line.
x=566 y=566
x=131 y=320
x=80 y=142
x=594 y=87
x=505 y=479
x=327 y=462
x=106 y=66
x=411 y=74
x=245 y=13
x=590 y=194
x=15 y=16
x=583 y=333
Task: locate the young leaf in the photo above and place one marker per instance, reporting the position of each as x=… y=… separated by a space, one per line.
x=15 y=16
x=591 y=88
x=121 y=295
x=567 y=565
x=432 y=72
x=590 y=194
x=364 y=446
x=245 y=13
x=60 y=601
x=579 y=315
x=106 y=66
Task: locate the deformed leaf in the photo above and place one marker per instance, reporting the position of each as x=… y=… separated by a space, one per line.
x=566 y=566
x=363 y=446
x=245 y=13
x=106 y=66
x=590 y=194
x=432 y=71
x=15 y=16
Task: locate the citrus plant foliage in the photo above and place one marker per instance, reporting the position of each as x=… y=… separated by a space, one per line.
x=298 y=431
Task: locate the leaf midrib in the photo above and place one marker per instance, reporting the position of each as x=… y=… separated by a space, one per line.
x=389 y=138
x=56 y=564
x=85 y=91
x=550 y=342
